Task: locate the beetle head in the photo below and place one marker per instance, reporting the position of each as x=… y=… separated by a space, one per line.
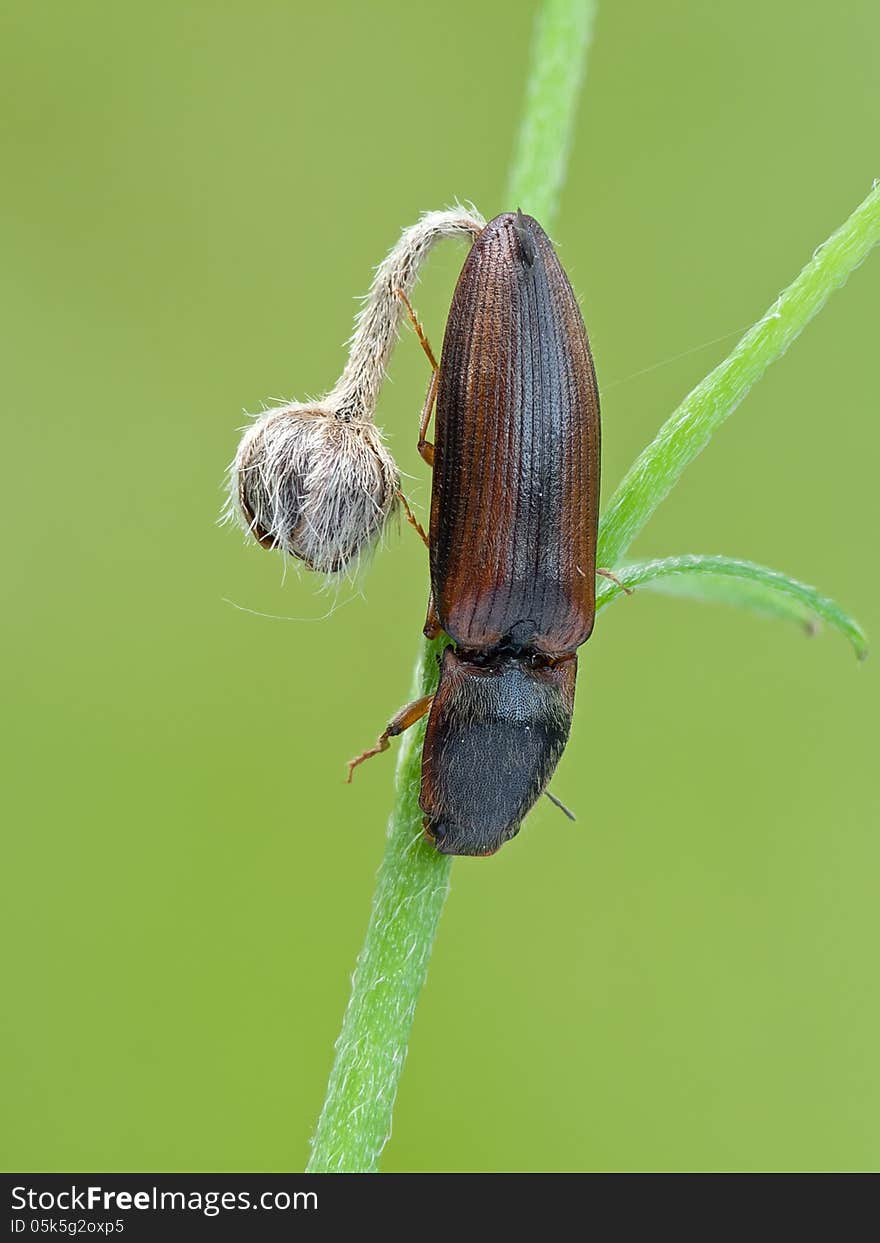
x=495 y=735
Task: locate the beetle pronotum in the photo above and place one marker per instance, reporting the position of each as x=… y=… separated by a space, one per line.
x=514 y=516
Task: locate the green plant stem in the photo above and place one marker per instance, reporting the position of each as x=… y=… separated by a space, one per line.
x=687 y=431
x=562 y=38
x=410 y=892
x=413 y=882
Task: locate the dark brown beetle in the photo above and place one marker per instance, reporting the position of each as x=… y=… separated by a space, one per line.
x=514 y=516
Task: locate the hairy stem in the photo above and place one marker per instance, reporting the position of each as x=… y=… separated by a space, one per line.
x=413 y=882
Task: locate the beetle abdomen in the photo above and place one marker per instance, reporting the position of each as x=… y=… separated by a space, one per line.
x=516 y=471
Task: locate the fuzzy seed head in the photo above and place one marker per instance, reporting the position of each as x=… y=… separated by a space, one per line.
x=313 y=485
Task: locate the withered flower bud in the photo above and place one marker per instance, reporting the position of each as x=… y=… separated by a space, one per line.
x=314 y=485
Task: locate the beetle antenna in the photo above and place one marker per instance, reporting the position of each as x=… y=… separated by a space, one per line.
x=562 y=807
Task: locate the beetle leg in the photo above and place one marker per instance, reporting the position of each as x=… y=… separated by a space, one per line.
x=432 y=627
x=420 y=332
x=411 y=518
x=628 y=591
x=426 y=449
x=405 y=718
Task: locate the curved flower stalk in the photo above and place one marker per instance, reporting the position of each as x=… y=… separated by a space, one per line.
x=315 y=479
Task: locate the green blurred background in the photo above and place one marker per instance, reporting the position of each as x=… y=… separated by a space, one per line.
x=686 y=979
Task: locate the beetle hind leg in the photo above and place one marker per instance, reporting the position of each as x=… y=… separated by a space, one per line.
x=397 y=725
x=627 y=591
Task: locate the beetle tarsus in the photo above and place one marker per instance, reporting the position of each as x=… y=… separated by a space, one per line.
x=381 y=745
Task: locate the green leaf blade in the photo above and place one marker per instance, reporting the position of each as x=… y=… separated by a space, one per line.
x=728 y=580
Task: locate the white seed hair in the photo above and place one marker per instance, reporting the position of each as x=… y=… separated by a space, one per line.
x=314 y=486
x=315 y=479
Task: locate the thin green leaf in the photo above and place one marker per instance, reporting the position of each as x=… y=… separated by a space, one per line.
x=702 y=412
x=730 y=581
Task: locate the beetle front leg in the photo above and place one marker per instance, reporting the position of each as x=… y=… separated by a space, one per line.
x=426 y=449
x=405 y=718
